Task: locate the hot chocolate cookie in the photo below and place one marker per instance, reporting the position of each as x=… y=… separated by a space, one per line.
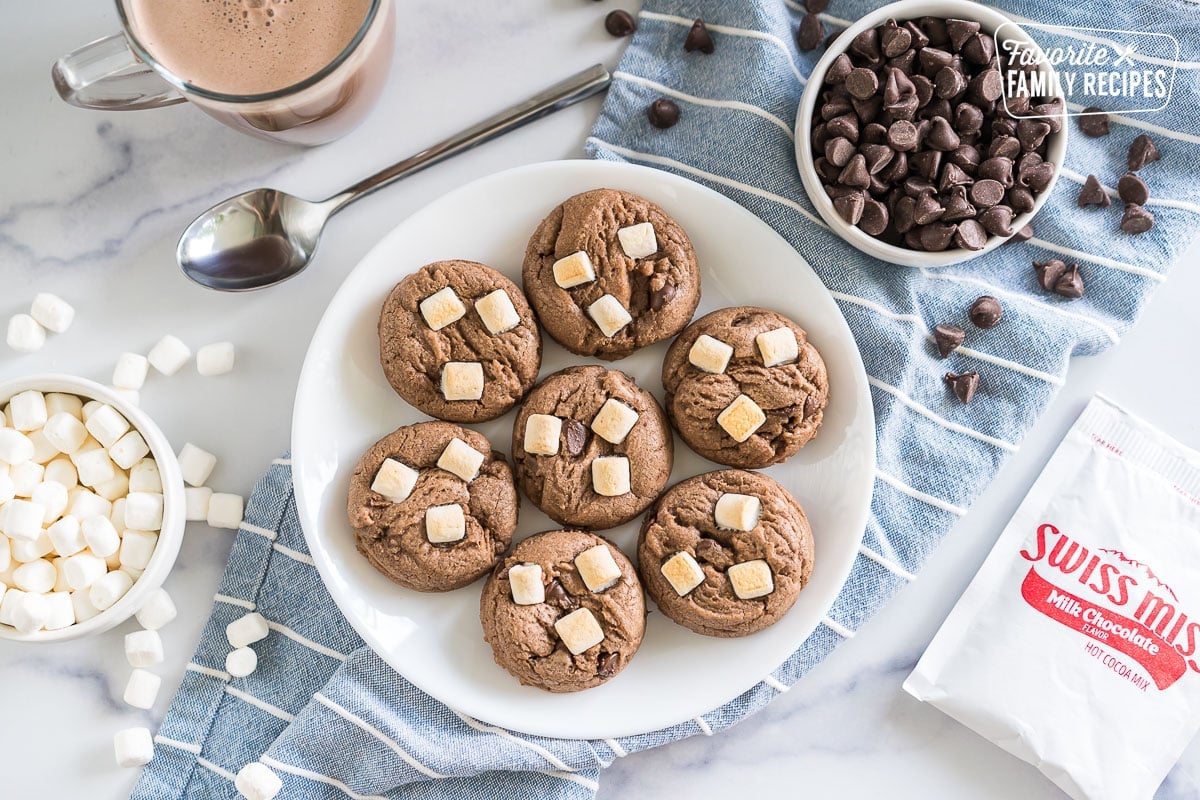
x=458 y=341
x=432 y=506
x=744 y=387
x=564 y=611
x=592 y=449
x=609 y=272
x=725 y=553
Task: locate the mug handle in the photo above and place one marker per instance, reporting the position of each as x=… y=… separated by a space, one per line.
x=108 y=76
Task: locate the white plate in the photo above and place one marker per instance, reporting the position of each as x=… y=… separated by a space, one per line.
x=344 y=404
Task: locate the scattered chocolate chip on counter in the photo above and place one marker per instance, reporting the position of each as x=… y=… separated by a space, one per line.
x=1048 y=272
x=663 y=113
x=811 y=32
x=1141 y=152
x=1136 y=219
x=963 y=385
x=1093 y=194
x=948 y=338
x=1070 y=284
x=1093 y=122
x=619 y=23
x=1133 y=189
x=986 y=312
x=699 y=38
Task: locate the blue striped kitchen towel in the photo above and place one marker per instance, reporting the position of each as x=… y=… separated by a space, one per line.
x=334 y=721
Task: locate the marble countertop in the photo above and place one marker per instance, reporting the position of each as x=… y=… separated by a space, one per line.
x=90 y=207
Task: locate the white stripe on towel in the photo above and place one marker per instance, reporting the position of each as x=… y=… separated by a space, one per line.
x=940 y=420
x=300 y=772
x=568 y=776
x=233 y=601
x=194 y=749
x=707 y=731
x=209 y=671
x=273 y=710
x=917 y=494
x=748 y=33
x=838 y=628
x=211 y=767
x=705 y=101
x=775 y=684
x=886 y=563
x=261 y=531
x=528 y=745
x=309 y=643
x=618 y=751
x=295 y=555
x=363 y=725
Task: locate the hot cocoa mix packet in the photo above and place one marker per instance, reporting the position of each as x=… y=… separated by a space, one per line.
x=1077 y=645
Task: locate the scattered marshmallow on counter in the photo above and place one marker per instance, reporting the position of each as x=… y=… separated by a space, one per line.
x=142 y=689
x=241 y=662
x=25 y=335
x=52 y=312
x=133 y=747
x=215 y=359
x=196 y=501
x=225 y=510
x=130 y=371
x=257 y=781
x=143 y=648
x=247 y=630
x=195 y=464
x=157 y=611
x=169 y=355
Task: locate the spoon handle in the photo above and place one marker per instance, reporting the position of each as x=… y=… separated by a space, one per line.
x=578 y=87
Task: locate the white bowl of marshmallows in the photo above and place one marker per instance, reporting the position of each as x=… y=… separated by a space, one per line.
x=92 y=509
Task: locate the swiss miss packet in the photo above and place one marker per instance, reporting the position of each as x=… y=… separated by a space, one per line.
x=1075 y=646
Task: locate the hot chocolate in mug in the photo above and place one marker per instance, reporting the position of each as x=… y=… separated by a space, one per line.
x=297 y=71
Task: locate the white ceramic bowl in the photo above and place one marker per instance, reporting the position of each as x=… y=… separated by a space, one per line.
x=989 y=20
x=169 y=538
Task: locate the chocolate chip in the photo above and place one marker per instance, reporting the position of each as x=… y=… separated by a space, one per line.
x=1133 y=189
x=903 y=214
x=810 y=34
x=947 y=338
x=866 y=45
x=997 y=220
x=1092 y=194
x=877 y=156
x=662 y=297
x=829 y=172
x=1022 y=235
x=836 y=106
x=987 y=86
x=1052 y=113
x=1031 y=133
x=839 y=151
x=1142 y=152
x=839 y=68
x=967 y=157
x=968 y=118
x=915 y=186
x=919 y=39
x=1093 y=122
x=979 y=49
x=894 y=40
x=855 y=173
x=937 y=236
x=576 y=436
x=970 y=235
x=896 y=170
x=1036 y=178
x=952 y=176
x=924 y=88
x=963 y=385
x=902 y=136
x=815 y=6
x=1019 y=199
x=987 y=193
x=912 y=240
x=845 y=125
x=926 y=164
x=663 y=113
x=986 y=312
x=874 y=219
x=959 y=30
x=941 y=135
x=958 y=207
x=949 y=83
x=699 y=38
x=928 y=210
x=873 y=133
x=850 y=207
x=619 y=23
x=998 y=169
x=1048 y=272
x=1004 y=147
x=1069 y=284
x=935 y=30
x=862 y=83
x=867 y=110
x=932 y=60
x=608 y=664
x=1136 y=219
x=557 y=595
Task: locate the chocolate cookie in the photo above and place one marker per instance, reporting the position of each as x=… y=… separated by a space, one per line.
x=458 y=341
x=609 y=272
x=432 y=506
x=725 y=553
x=564 y=611
x=592 y=449
x=745 y=388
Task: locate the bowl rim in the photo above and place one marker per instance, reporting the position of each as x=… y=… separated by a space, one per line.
x=170 y=536
x=990 y=19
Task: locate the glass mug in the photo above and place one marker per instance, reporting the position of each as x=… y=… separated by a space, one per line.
x=118 y=73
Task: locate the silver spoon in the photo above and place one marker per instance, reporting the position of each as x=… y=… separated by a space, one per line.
x=265 y=236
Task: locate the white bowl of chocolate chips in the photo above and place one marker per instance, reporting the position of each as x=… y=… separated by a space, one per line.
x=907 y=144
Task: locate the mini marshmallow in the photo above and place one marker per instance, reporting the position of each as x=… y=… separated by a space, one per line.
x=256 y=781
x=195 y=503
x=142 y=688
x=778 y=346
x=225 y=510
x=25 y=477
x=241 y=662
x=84 y=504
x=59 y=402
x=43 y=451
x=710 y=354
x=133 y=747
x=682 y=572
x=597 y=568
x=144 y=477
x=614 y=421
x=8 y=490
x=579 y=630
x=574 y=270
x=525 y=583
x=9 y=600
x=751 y=579
x=30 y=612
x=542 y=433
x=52 y=312
x=61 y=613
x=109 y=588
x=65 y=432
x=442 y=308
x=638 y=241
x=461 y=459
x=215 y=359
x=130 y=396
x=115 y=489
x=66 y=536
x=610 y=476
x=117 y=515
x=5 y=559
x=61 y=471
x=737 y=512
x=394 y=480
x=26 y=550
x=89 y=408
x=15 y=446
x=130 y=371
x=60 y=579
x=462 y=380
x=144 y=511
x=157 y=611
x=52 y=497
x=94 y=466
x=37 y=576
x=83 y=569
x=444 y=524
x=136 y=548
x=168 y=355
x=128 y=450
x=247 y=630
x=23 y=519
x=82 y=605
x=25 y=335
x=741 y=418
x=107 y=425
x=609 y=315
x=101 y=537
x=143 y=648
x=27 y=410
x=196 y=464
x=497 y=312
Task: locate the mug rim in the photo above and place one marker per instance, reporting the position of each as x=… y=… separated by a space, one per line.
x=187 y=88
